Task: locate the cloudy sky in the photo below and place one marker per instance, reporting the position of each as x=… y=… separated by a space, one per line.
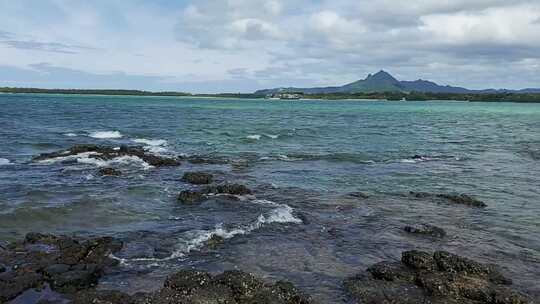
x=244 y=45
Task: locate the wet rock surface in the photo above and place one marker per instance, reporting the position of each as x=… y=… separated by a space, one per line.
x=232 y=189
x=425 y=229
x=441 y=277
x=192 y=286
x=229 y=191
x=191 y=197
x=198 y=178
x=461 y=199
x=109 y=153
x=67 y=264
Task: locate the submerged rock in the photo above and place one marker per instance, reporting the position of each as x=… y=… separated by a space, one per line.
x=66 y=263
x=425 y=229
x=109 y=153
x=190 y=197
x=232 y=189
x=359 y=195
x=441 y=277
x=192 y=286
x=462 y=199
x=198 y=178
x=109 y=172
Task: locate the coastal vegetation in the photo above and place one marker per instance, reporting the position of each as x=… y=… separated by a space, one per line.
x=390 y=95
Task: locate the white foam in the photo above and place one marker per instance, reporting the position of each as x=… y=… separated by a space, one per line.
x=151 y=142
x=67 y=158
x=196 y=239
x=272 y=136
x=254 y=137
x=122 y=160
x=71 y=134
x=5 y=162
x=85 y=158
x=106 y=134
x=408 y=161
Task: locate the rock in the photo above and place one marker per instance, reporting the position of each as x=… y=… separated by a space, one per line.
x=190 y=197
x=391 y=271
x=215 y=241
x=441 y=278
x=187 y=280
x=232 y=189
x=426 y=229
x=2 y=268
x=462 y=199
x=109 y=172
x=370 y=291
x=234 y=287
x=418 y=260
x=359 y=195
x=109 y=153
x=66 y=263
x=198 y=178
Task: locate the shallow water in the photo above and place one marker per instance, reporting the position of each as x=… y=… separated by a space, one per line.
x=304 y=155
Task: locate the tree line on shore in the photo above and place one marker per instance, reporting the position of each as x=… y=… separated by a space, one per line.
x=410 y=96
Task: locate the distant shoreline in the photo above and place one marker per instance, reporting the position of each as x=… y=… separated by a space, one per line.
x=382 y=96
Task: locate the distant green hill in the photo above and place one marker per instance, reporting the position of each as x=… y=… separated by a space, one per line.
x=384 y=82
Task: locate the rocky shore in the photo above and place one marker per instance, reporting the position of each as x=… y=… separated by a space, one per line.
x=71 y=267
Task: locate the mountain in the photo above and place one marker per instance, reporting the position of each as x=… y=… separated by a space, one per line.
x=384 y=82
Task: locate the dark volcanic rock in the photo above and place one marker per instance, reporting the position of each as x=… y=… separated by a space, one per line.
x=67 y=264
x=109 y=172
x=198 y=178
x=197 y=287
x=441 y=278
x=462 y=199
x=190 y=197
x=425 y=229
x=108 y=153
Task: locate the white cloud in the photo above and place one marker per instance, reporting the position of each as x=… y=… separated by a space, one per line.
x=276 y=42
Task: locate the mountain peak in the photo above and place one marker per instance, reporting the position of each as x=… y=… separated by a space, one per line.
x=381 y=76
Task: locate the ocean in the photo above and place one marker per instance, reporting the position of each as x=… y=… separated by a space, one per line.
x=302 y=159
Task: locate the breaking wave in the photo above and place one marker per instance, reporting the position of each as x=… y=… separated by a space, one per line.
x=254 y=137
x=106 y=134
x=5 y=162
x=90 y=159
x=150 y=142
x=196 y=239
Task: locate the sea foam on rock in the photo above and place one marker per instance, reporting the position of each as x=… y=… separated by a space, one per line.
x=441 y=277
x=104 y=153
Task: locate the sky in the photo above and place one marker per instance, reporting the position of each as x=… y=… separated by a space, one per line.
x=244 y=45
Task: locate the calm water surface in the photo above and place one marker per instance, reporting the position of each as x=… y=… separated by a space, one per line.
x=301 y=159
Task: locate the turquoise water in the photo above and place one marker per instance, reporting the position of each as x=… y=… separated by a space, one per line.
x=304 y=155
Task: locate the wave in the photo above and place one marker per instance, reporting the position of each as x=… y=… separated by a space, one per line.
x=90 y=159
x=272 y=136
x=151 y=142
x=258 y=136
x=106 y=135
x=254 y=137
x=5 y=162
x=195 y=240
x=71 y=134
